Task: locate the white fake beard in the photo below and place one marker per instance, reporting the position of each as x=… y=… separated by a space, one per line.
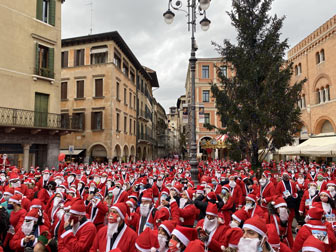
x=210 y=226
x=75 y=227
x=248 y=244
x=60 y=214
x=234 y=224
x=144 y=210
x=57 y=200
x=27 y=227
x=112 y=228
x=283 y=214
x=162 y=242
x=183 y=201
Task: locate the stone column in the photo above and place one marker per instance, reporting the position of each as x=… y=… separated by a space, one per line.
x=216 y=153
x=26 y=148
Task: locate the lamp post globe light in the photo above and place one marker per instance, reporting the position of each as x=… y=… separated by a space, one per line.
x=194 y=8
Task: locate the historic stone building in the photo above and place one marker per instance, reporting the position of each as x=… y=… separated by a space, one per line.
x=30 y=74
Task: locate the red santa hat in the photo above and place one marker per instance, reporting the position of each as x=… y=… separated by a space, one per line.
x=78 y=207
x=147 y=195
x=331 y=183
x=212 y=209
x=121 y=208
x=168 y=226
x=163 y=214
x=16 y=199
x=36 y=203
x=313 y=244
x=200 y=189
x=147 y=241
x=132 y=202
x=251 y=197
x=32 y=215
x=256 y=224
x=195 y=246
x=326 y=193
x=212 y=196
x=315 y=213
x=240 y=215
x=189 y=193
x=178 y=187
x=185 y=234
x=13 y=176
x=279 y=202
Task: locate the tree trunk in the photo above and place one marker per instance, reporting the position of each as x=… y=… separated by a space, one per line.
x=255 y=156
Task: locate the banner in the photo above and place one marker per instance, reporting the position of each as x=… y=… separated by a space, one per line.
x=201 y=114
x=185 y=114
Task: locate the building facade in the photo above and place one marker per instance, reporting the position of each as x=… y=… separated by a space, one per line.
x=207 y=70
x=161 y=131
x=107 y=92
x=30 y=74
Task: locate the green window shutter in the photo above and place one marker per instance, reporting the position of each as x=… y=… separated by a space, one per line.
x=39 y=9
x=52 y=11
x=37 y=57
x=51 y=62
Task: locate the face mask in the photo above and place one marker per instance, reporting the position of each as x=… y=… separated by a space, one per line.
x=312 y=191
x=124 y=187
x=27 y=227
x=183 y=201
x=60 y=190
x=6 y=197
x=103 y=179
x=312 y=173
x=150 y=181
x=70 y=179
x=207 y=190
x=300 y=180
x=10 y=206
x=234 y=224
x=16 y=184
x=58 y=181
x=116 y=191
x=232 y=184
x=210 y=225
x=45 y=176
x=162 y=241
x=223 y=191
x=262 y=182
x=248 y=206
x=283 y=214
x=174 y=246
x=87 y=172
x=248 y=244
x=144 y=209
x=3 y=178
x=57 y=200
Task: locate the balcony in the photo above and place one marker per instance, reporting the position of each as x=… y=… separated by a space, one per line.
x=45 y=72
x=19 y=118
x=146 y=138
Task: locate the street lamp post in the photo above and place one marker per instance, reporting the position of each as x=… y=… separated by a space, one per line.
x=194 y=8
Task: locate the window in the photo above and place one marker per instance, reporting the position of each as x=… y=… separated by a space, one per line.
x=79 y=57
x=134 y=102
x=45 y=11
x=205 y=72
x=318 y=60
x=134 y=128
x=78 y=120
x=64 y=90
x=125 y=96
x=125 y=68
x=130 y=99
x=117 y=91
x=130 y=126
x=99 y=54
x=142 y=86
x=44 y=61
x=223 y=70
x=117 y=59
x=206 y=95
x=299 y=69
x=64 y=62
x=80 y=89
x=118 y=123
x=132 y=76
x=322 y=56
x=97 y=120
x=327 y=90
x=303 y=101
x=65 y=121
x=125 y=124
x=206 y=118
x=99 y=88
x=318 y=97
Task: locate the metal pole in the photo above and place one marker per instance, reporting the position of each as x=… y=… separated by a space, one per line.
x=192 y=61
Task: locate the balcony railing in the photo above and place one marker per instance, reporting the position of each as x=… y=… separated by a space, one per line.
x=45 y=72
x=10 y=117
x=144 y=137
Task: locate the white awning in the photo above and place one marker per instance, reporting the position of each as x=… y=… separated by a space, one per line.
x=75 y=152
x=319 y=146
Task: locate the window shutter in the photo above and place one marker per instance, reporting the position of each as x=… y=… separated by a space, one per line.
x=93 y=121
x=37 y=57
x=52 y=11
x=82 y=53
x=51 y=62
x=83 y=121
x=99 y=87
x=39 y=9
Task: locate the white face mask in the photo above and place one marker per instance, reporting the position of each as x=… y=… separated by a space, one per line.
x=159 y=183
x=60 y=190
x=27 y=227
x=248 y=206
x=312 y=191
x=183 y=201
x=96 y=180
x=300 y=180
x=58 y=181
x=262 y=182
x=162 y=241
x=45 y=176
x=3 y=178
x=108 y=184
x=232 y=183
x=234 y=224
x=210 y=225
x=283 y=214
x=248 y=244
x=57 y=200
x=116 y=191
x=16 y=184
x=144 y=209
x=112 y=228
x=150 y=181
x=331 y=189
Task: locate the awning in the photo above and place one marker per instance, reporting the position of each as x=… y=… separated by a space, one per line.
x=75 y=152
x=319 y=146
x=99 y=50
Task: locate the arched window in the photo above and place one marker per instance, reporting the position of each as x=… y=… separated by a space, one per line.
x=327 y=89
x=299 y=69
x=322 y=93
x=327 y=127
x=322 y=56
x=296 y=70
x=317 y=58
x=318 y=100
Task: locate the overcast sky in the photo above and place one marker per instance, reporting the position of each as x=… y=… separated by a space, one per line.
x=166 y=48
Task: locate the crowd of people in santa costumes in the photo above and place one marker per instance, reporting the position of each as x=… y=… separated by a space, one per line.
x=150 y=206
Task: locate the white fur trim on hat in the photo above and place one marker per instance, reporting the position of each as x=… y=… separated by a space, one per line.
x=35 y=206
x=31 y=218
x=280 y=205
x=15 y=201
x=249 y=198
x=119 y=212
x=312 y=249
x=254 y=228
x=236 y=218
x=181 y=237
x=145 y=250
x=77 y=212
x=166 y=229
x=145 y=198
x=212 y=214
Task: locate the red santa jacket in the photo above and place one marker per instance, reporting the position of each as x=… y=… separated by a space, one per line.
x=285 y=233
x=256 y=211
x=187 y=214
x=266 y=193
x=122 y=197
x=97 y=213
x=125 y=240
x=318 y=228
x=216 y=237
x=17 y=242
x=306 y=202
x=79 y=241
x=281 y=188
x=232 y=237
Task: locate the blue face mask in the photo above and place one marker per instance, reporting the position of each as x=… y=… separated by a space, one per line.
x=141 y=187
x=214 y=183
x=223 y=191
x=10 y=206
